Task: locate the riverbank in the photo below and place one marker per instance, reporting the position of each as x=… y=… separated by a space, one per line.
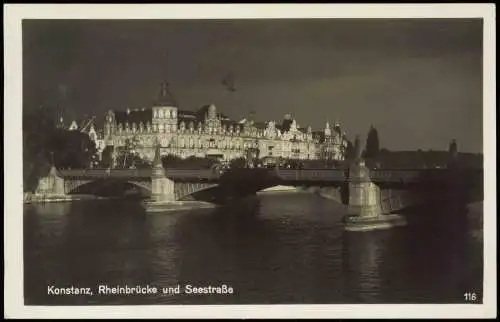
x=42 y=198
x=356 y=223
x=475 y=217
x=155 y=207
x=280 y=189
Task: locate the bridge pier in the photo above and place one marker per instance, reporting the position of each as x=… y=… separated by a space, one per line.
x=162 y=188
x=51 y=186
x=364 y=208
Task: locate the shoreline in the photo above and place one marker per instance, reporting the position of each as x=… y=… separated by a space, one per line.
x=41 y=199
x=158 y=207
x=360 y=224
x=284 y=189
x=475 y=219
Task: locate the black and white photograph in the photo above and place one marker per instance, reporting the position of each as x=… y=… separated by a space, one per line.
x=190 y=157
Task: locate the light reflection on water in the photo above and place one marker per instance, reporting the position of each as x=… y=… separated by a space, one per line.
x=288 y=248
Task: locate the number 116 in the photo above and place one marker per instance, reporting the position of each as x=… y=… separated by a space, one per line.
x=470 y=296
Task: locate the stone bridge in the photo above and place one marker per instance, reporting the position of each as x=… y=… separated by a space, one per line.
x=90 y=181
x=394 y=189
x=367 y=193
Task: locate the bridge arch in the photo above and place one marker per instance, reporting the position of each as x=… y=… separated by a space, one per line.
x=106 y=186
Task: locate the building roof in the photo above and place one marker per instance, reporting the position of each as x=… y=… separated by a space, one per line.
x=186 y=114
x=260 y=125
x=202 y=111
x=187 y=117
x=229 y=122
x=135 y=116
x=165 y=98
x=285 y=126
x=319 y=135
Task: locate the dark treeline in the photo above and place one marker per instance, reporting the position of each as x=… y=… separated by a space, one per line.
x=192 y=162
x=126 y=157
x=422 y=159
x=372 y=148
x=44 y=144
x=383 y=158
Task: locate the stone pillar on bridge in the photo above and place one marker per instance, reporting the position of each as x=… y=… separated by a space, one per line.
x=51 y=185
x=162 y=188
x=364 y=195
x=365 y=211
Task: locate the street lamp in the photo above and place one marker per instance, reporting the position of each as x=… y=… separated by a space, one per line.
x=132 y=166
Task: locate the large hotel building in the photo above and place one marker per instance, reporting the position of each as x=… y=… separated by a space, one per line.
x=208 y=133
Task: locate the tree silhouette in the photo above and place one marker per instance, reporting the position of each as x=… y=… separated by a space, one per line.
x=106 y=157
x=128 y=155
x=453 y=149
x=192 y=162
x=350 y=151
x=238 y=163
x=45 y=145
x=372 y=149
x=71 y=149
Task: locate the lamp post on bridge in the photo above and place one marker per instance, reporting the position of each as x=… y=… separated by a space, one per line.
x=358 y=149
x=157 y=164
x=112 y=164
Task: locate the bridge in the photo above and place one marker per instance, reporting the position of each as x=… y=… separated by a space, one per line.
x=368 y=194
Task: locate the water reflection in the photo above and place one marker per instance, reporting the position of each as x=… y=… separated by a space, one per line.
x=237 y=243
x=362 y=257
x=270 y=249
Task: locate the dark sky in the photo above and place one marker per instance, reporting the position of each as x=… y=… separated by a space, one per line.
x=419 y=82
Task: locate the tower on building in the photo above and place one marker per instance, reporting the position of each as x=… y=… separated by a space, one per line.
x=327 y=130
x=212 y=112
x=165 y=97
x=73 y=126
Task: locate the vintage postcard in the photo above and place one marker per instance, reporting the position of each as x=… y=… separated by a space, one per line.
x=242 y=161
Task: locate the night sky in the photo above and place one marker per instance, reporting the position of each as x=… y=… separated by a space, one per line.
x=419 y=82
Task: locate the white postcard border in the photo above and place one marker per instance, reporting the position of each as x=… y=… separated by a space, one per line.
x=13 y=194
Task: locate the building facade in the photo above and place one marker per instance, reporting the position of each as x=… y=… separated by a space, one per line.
x=209 y=133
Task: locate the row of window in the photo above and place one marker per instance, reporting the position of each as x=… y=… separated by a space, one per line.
x=225 y=143
x=162 y=128
x=230 y=155
x=167 y=128
x=165 y=114
x=157 y=128
x=172 y=128
x=285 y=145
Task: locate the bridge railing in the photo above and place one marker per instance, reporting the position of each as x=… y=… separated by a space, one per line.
x=140 y=173
x=409 y=176
x=324 y=175
x=395 y=175
x=193 y=174
x=98 y=173
x=386 y=176
x=312 y=175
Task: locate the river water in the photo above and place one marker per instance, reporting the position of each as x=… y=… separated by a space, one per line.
x=271 y=249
